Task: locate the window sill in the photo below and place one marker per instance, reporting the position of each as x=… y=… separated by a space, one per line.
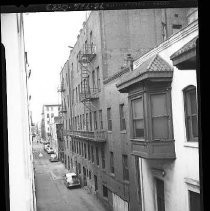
x=123 y=131
x=191 y=144
x=126 y=182
x=112 y=175
x=109 y=131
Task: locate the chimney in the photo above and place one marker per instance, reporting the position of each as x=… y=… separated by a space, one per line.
x=130 y=61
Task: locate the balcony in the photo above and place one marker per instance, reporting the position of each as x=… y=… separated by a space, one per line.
x=88 y=54
x=96 y=136
x=153 y=149
x=88 y=95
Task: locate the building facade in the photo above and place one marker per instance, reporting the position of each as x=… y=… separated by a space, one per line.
x=20 y=158
x=163 y=121
x=54 y=127
x=95 y=115
x=48 y=114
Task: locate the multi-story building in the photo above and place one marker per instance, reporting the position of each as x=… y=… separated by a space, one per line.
x=54 y=127
x=95 y=114
x=48 y=114
x=163 y=122
x=18 y=142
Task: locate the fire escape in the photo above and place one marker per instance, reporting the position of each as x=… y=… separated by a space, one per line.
x=87 y=94
x=62 y=113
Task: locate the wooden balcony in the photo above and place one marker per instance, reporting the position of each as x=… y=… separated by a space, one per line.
x=96 y=136
x=153 y=149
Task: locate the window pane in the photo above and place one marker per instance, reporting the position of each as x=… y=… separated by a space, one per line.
x=193 y=102
x=158 y=104
x=139 y=128
x=138 y=109
x=194 y=201
x=195 y=126
x=160 y=128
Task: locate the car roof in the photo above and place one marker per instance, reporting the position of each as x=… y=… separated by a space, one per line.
x=70 y=174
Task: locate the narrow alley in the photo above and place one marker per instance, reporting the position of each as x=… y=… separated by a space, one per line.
x=51 y=192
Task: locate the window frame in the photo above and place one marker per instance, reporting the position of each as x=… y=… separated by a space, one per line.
x=122 y=117
x=189 y=134
x=145 y=93
x=112 y=162
x=125 y=167
x=109 y=119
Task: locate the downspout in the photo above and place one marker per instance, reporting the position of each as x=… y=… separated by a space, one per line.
x=142 y=185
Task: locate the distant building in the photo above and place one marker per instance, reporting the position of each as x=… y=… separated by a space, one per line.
x=20 y=158
x=95 y=115
x=55 y=134
x=48 y=114
x=163 y=113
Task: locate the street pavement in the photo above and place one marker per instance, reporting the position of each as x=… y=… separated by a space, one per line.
x=52 y=194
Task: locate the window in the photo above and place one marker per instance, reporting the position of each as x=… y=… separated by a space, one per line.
x=93 y=79
x=76 y=95
x=109 y=120
x=78 y=92
x=191 y=113
x=122 y=117
x=92 y=154
x=97 y=156
x=160 y=117
x=96 y=182
x=138 y=118
x=102 y=157
x=48 y=115
x=85 y=150
x=80 y=121
x=90 y=121
x=105 y=191
x=112 y=162
x=83 y=121
x=100 y=120
x=95 y=120
x=89 y=174
x=47 y=108
x=160 y=195
x=87 y=128
x=98 y=79
x=79 y=148
x=52 y=115
x=125 y=167
x=194 y=201
x=88 y=152
x=51 y=108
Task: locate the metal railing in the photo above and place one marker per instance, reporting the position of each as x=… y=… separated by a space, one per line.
x=97 y=135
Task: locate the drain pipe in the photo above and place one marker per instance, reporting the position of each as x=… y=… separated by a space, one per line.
x=142 y=186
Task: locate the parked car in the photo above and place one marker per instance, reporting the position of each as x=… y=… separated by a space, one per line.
x=71 y=180
x=53 y=158
x=50 y=150
x=46 y=146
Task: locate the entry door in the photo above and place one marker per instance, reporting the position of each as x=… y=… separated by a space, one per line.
x=119 y=204
x=160 y=195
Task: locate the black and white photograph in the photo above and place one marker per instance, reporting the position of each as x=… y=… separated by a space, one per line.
x=101 y=108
